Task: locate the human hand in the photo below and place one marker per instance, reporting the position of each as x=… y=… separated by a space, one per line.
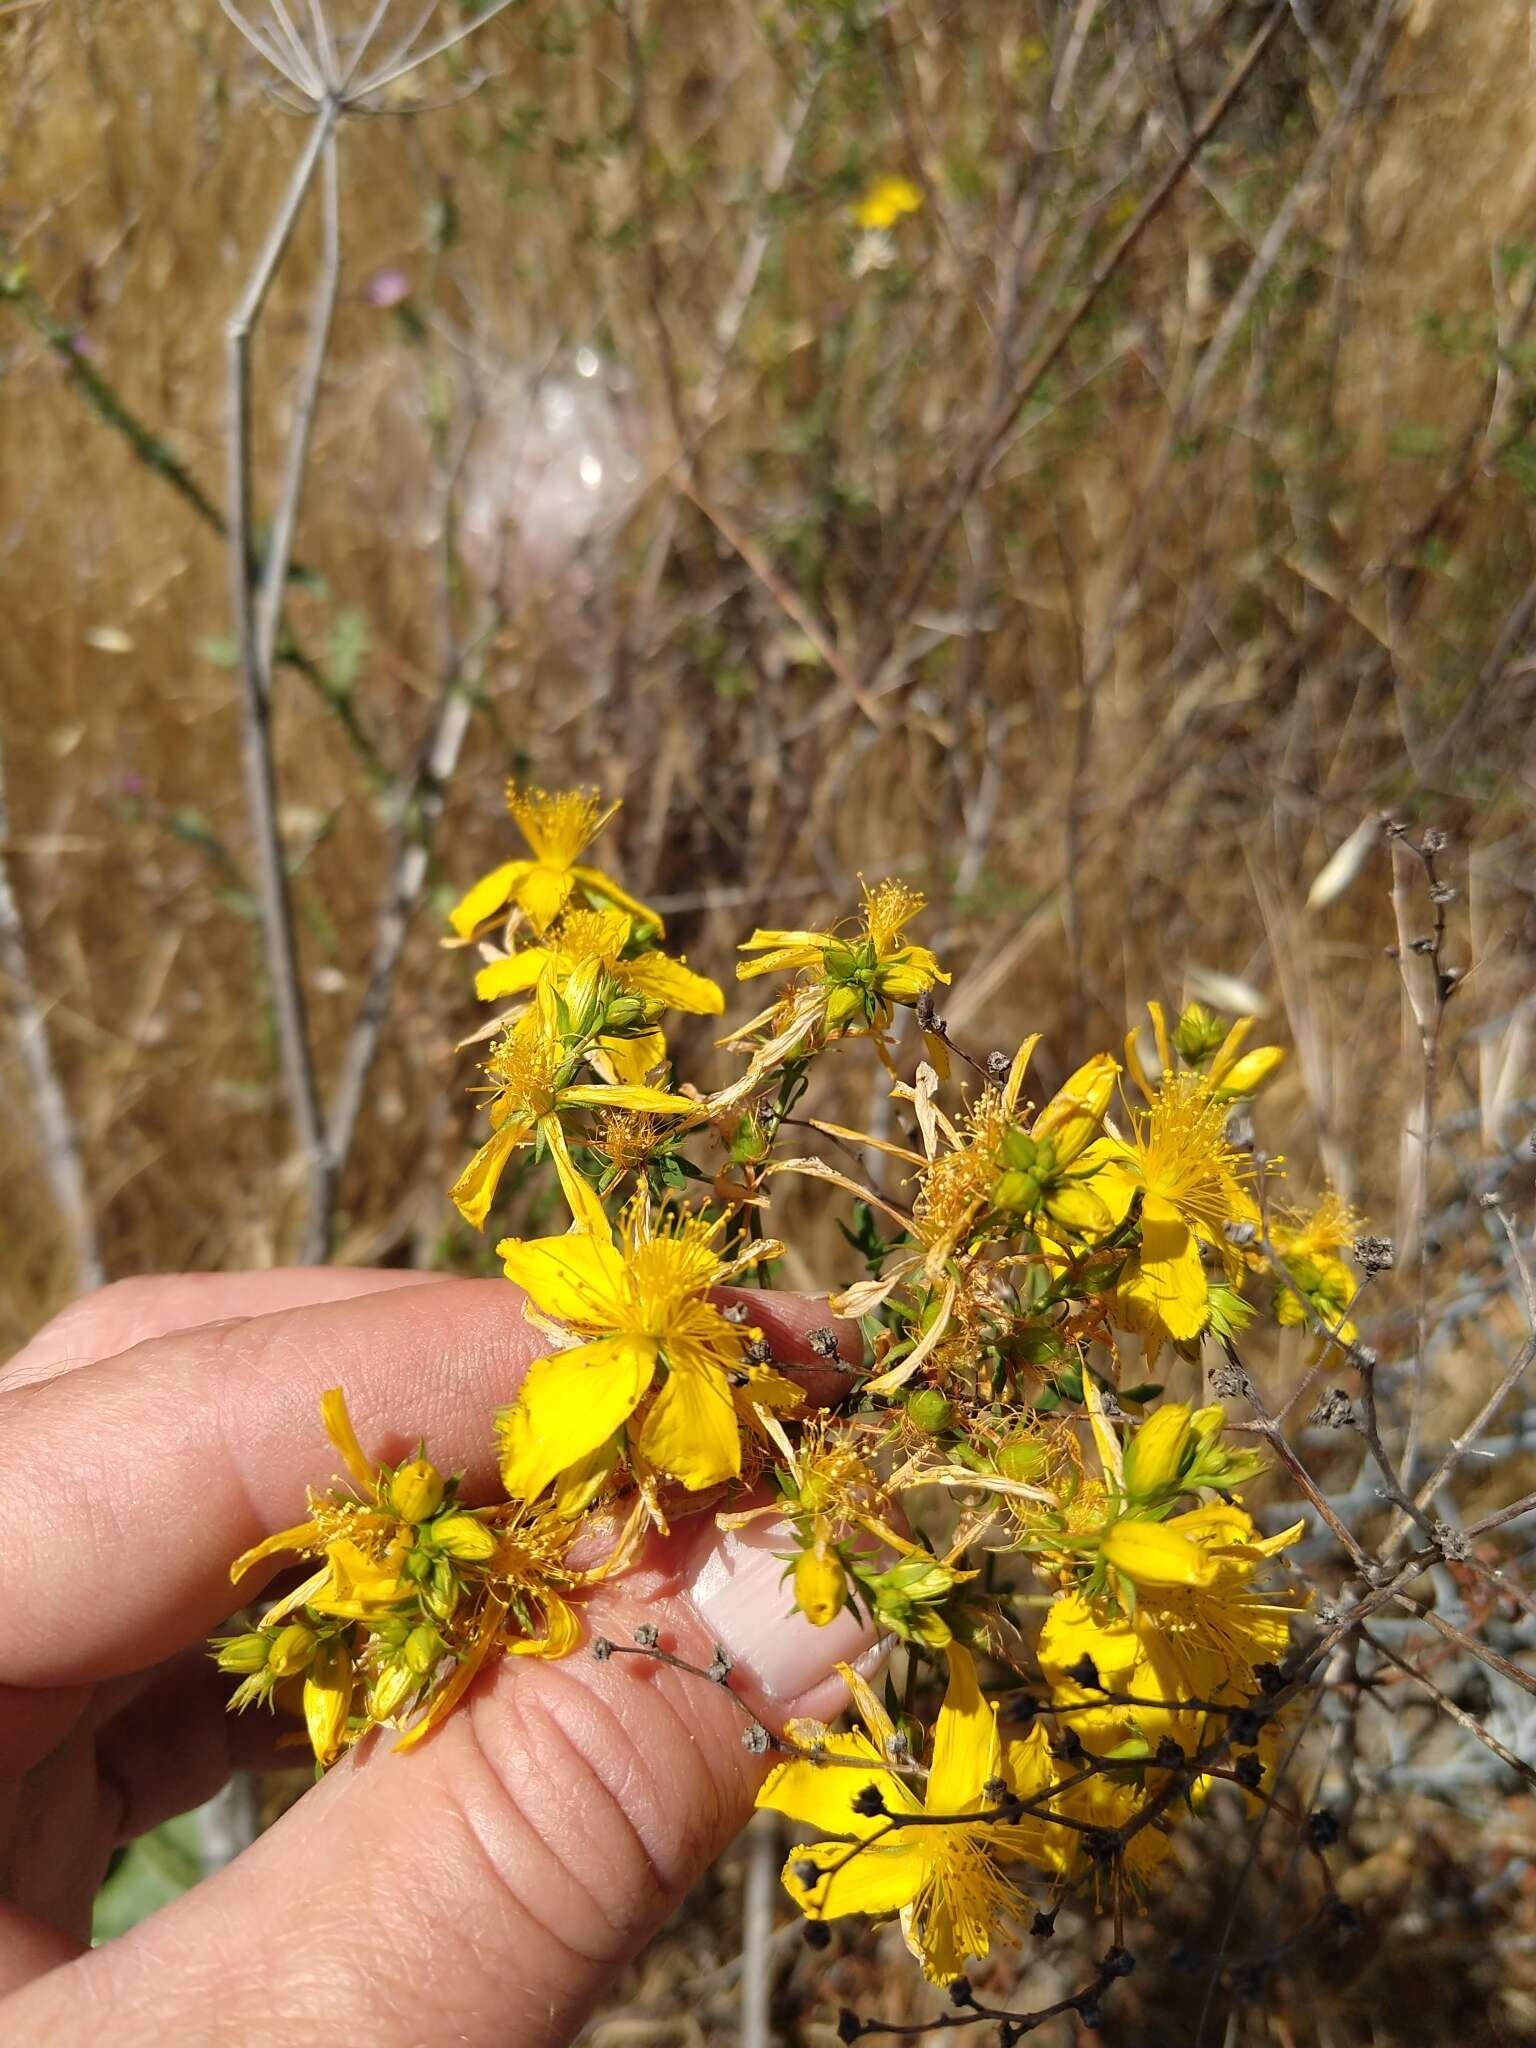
x=483 y=1889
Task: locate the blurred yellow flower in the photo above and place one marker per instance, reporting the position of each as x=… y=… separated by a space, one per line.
x=622 y=988
x=886 y=201
x=864 y=972
x=533 y=1079
x=558 y=828
x=1179 y=1161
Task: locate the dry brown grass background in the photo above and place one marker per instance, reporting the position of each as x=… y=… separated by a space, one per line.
x=1253 y=565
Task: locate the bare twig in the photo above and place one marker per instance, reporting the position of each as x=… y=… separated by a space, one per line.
x=56 y=1128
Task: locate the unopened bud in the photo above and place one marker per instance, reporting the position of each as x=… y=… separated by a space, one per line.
x=292 y=1650
x=244 y=1654
x=1248 y=1074
x=1078 y=1209
x=416 y=1491
x=462 y=1538
x=846 y=1006
x=821 y=1583
x=423 y=1648
x=1071 y=1120
x=328 y=1699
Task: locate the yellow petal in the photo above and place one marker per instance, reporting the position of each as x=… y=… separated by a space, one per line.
x=338 y=1427
x=1168 y=1279
x=625 y=1062
x=302 y=1536
x=870 y=1881
x=568 y=1405
x=670 y=982
x=965 y=1745
x=805 y=949
x=598 y=884
x=1152 y=1554
x=464 y=1675
x=1227 y=1052
x=691 y=1431
x=357 y=1585
x=578 y=1191
x=491 y=893
x=474 y=1190
x=562 y=1631
x=1160 y=1034
x=513 y=976
x=543 y=892
x=821 y=1795
x=576 y=1279
x=628 y=1096
x=1017 y=1070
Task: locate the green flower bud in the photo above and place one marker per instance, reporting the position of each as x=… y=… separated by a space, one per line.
x=846 y=1005
x=1021 y=1459
x=1197 y=1034
x=930 y=1410
x=294 y=1648
x=244 y=1654
x=423 y=1648
x=1018 y=1150
x=1017 y=1192
x=461 y=1537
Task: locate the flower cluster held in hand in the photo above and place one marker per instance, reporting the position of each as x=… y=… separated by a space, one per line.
x=1090 y=1625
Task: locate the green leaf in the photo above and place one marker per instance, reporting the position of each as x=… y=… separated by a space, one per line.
x=149 y=1873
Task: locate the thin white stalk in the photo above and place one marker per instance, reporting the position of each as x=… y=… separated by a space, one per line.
x=269 y=606
x=401 y=53
x=364 y=42
x=265 y=48
x=256 y=728
x=56 y=1129
x=417 y=57
x=325 y=46
x=302 y=54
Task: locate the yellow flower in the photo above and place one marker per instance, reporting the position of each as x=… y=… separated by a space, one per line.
x=1179 y=1161
x=412 y=1597
x=589 y=954
x=1198 y=1629
x=533 y=1077
x=1199 y=1040
x=641 y=1312
x=943 y=1877
x=1308 y=1247
x=558 y=828
x=886 y=201
x=864 y=972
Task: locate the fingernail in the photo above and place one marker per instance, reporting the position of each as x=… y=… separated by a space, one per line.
x=747 y=1604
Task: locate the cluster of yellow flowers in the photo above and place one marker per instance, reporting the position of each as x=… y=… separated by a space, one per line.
x=991 y=1489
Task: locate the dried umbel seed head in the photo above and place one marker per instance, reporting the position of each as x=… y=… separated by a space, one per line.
x=1333 y=1410
x=1228 y=1381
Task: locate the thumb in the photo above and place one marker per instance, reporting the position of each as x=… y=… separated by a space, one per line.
x=485 y=1888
